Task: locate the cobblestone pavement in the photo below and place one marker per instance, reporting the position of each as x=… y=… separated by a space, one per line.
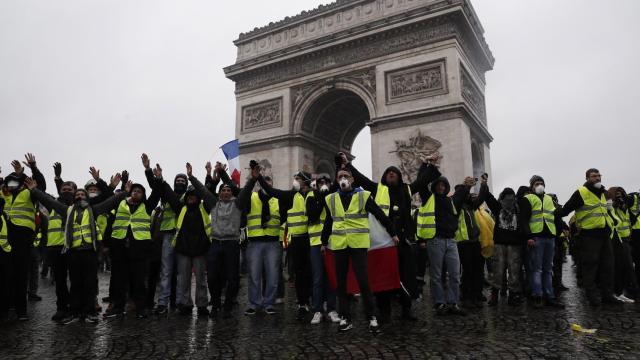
x=487 y=333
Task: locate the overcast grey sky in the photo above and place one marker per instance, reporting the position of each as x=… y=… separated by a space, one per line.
x=98 y=82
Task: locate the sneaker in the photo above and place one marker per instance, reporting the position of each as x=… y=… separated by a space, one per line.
x=34 y=297
x=68 y=319
x=160 y=310
x=317 y=318
x=333 y=315
x=91 y=318
x=373 y=325
x=554 y=303
x=345 y=325
x=270 y=311
x=626 y=299
x=202 y=311
x=279 y=301
x=112 y=313
x=441 y=309
x=454 y=309
x=250 y=312
x=142 y=314
x=303 y=310
x=59 y=315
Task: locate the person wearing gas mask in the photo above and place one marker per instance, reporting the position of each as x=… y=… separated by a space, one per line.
x=624 y=275
x=508 y=243
x=264 y=251
x=538 y=219
x=131 y=246
x=393 y=196
x=168 y=230
x=80 y=241
x=223 y=258
x=596 y=253
x=438 y=220
x=297 y=229
x=346 y=230
x=321 y=291
x=21 y=212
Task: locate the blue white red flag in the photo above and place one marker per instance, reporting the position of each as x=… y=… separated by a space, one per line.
x=231 y=151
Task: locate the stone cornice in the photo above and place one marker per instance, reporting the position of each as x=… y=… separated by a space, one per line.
x=452 y=25
x=276 y=142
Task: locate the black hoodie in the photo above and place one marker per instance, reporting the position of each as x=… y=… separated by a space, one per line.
x=446 y=217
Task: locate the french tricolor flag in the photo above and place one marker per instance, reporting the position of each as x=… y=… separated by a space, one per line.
x=231 y=151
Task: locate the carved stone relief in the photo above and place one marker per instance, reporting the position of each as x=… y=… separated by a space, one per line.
x=416 y=82
x=263 y=115
x=472 y=94
x=411 y=152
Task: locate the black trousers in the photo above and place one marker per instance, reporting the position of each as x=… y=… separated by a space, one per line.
x=6 y=266
x=83 y=271
x=21 y=240
x=300 y=251
x=129 y=275
x=60 y=265
x=422 y=261
x=635 y=254
x=596 y=264
x=625 y=277
x=472 y=264
x=223 y=268
x=152 y=281
x=358 y=259
x=558 y=260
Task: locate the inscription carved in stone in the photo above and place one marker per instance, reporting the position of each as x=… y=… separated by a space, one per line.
x=416 y=82
x=472 y=94
x=411 y=152
x=264 y=115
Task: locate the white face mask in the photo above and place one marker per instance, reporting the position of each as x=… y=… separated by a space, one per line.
x=296 y=185
x=13 y=184
x=344 y=184
x=324 y=188
x=92 y=195
x=610 y=204
x=539 y=189
x=597 y=185
x=313 y=185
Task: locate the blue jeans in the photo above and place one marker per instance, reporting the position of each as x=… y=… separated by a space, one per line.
x=166 y=271
x=444 y=253
x=263 y=255
x=541 y=265
x=321 y=290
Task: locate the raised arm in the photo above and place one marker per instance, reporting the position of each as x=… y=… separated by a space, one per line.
x=112 y=202
x=47 y=200
x=35 y=172
x=361 y=180
x=221 y=172
x=207 y=197
x=460 y=196
x=57 y=171
x=314 y=205
x=244 y=197
x=575 y=202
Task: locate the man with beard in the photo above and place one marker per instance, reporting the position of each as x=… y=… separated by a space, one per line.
x=393 y=196
x=21 y=212
x=81 y=238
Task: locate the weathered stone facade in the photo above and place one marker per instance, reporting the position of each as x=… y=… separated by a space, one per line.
x=411 y=70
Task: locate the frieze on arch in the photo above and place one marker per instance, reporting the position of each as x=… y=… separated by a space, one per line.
x=411 y=152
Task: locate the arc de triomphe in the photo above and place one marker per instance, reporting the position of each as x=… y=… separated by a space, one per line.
x=411 y=70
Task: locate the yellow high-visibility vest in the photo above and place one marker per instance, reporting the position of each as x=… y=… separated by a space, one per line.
x=593 y=214
x=541 y=214
x=426 y=222
x=140 y=222
x=315 y=229
x=206 y=220
x=297 y=216
x=350 y=227
x=254 y=218
x=20 y=209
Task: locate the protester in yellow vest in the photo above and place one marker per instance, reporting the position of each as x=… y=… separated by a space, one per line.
x=5 y=264
x=297 y=228
x=394 y=197
x=537 y=216
x=346 y=230
x=317 y=214
x=80 y=240
x=624 y=275
x=21 y=213
x=438 y=220
x=596 y=253
x=633 y=203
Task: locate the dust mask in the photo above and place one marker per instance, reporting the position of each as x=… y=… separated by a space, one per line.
x=296 y=185
x=324 y=188
x=539 y=189
x=344 y=184
x=597 y=185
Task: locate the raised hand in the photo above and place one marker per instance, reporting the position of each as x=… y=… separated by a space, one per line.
x=115 y=180
x=17 y=168
x=31 y=161
x=189 y=170
x=127 y=186
x=30 y=183
x=145 y=161
x=157 y=172
x=95 y=173
x=255 y=172
x=484 y=178
x=208 y=168
x=125 y=176
x=469 y=181
x=343 y=158
x=57 y=169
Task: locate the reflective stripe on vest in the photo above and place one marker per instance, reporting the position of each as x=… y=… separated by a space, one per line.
x=139 y=221
x=623 y=227
x=383 y=200
x=101 y=224
x=55 y=231
x=20 y=209
x=169 y=216
x=426 y=222
x=206 y=220
x=4 y=241
x=254 y=218
x=541 y=214
x=82 y=232
x=462 y=233
x=315 y=229
x=635 y=209
x=296 y=216
x=593 y=214
x=351 y=227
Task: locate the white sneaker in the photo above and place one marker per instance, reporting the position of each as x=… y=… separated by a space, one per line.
x=373 y=325
x=333 y=315
x=317 y=318
x=279 y=301
x=626 y=299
